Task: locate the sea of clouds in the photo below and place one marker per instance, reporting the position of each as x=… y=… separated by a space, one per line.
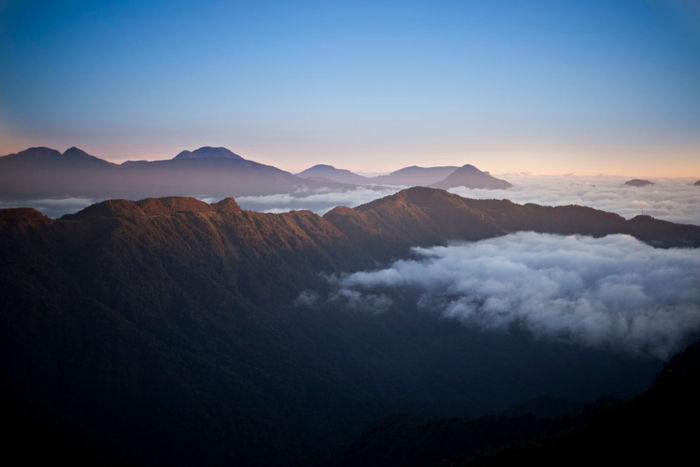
x=613 y=293
x=674 y=200
x=319 y=200
x=52 y=207
x=670 y=199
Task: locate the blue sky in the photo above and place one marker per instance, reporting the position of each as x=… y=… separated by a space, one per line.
x=546 y=86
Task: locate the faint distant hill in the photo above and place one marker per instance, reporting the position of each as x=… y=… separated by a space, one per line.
x=328 y=172
x=408 y=176
x=637 y=182
x=697 y=183
x=207 y=171
x=414 y=176
x=470 y=177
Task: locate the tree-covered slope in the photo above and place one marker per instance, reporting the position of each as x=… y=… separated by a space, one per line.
x=164 y=331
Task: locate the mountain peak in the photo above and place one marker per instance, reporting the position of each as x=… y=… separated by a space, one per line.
x=470 y=177
x=76 y=153
x=637 y=182
x=208 y=152
x=322 y=166
x=39 y=152
x=330 y=173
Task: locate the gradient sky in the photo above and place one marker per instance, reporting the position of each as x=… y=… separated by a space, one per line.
x=545 y=86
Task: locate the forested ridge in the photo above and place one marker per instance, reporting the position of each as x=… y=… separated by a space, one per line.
x=164 y=331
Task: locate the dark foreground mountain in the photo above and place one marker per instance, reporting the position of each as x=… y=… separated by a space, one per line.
x=164 y=331
x=636 y=182
x=216 y=172
x=658 y=426
x=469 y=176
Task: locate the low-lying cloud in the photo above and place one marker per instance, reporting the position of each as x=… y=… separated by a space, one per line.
x=674 y=200
x=613 y=292
x=318 y=200
x=51 y=207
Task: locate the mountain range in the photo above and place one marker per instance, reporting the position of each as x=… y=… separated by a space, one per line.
x=447 y=177
x=168 y=331
x=215 y=172
x=43 y=172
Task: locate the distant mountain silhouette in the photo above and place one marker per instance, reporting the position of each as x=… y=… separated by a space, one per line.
x=46 y=159
x=323 y=172
x=217 y=172
x=470 y=177
x=207 y=152
x=408 y=176
x=636 y=182
x=414 y=176
x=697 y=183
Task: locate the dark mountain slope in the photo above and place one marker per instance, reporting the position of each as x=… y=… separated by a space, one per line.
x=163 y=331
x=657 y=426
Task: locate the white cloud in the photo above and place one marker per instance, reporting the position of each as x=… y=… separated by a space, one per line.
x=319 y=200
x=51 y=207
x=674 y=200
x=613 y=292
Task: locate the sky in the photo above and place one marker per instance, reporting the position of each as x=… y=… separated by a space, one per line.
x=550 y=87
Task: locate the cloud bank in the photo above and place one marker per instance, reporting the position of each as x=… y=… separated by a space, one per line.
x=613 y=292
x=674 y=200
x=51 y=207
x=319 y=200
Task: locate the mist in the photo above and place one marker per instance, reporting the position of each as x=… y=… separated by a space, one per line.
x=673 y=200
x=612 y=293
x=52 y=207
x=320 y=200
